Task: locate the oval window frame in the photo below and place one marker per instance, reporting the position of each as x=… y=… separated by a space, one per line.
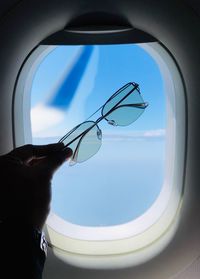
x=136 y=241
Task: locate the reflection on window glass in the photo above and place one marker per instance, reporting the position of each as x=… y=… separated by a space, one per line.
x=125 y=177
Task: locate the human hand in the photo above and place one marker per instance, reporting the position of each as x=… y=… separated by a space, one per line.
x=25 y=187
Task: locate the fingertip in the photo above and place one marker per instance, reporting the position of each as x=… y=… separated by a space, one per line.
x=58 y=158
x=52 y=162
x=67 y=152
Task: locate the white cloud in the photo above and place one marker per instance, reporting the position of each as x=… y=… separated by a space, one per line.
x=43 y=118
x=48 y=121
x=154 y=133
x=134 y=135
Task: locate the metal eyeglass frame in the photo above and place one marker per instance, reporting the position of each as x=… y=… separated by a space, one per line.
x=111 y=122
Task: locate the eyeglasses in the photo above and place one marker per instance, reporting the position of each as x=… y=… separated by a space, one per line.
x=123 y=108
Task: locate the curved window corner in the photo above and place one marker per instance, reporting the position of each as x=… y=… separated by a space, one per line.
x=121 y=207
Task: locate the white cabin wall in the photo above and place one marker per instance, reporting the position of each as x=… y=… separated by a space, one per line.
x=177 y=27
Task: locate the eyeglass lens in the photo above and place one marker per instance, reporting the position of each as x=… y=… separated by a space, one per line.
x=88 y=133
x=123 y=115
x=85 y=146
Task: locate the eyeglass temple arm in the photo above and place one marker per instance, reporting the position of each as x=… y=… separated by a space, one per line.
x=139 y=105
x=80 y=135
x=135 y=86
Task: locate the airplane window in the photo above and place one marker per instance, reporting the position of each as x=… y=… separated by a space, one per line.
x=126 y=199
x=124 y=179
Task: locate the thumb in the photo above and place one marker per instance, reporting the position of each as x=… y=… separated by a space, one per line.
x=50 y=163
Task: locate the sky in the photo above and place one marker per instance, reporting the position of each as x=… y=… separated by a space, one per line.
x=118 y=184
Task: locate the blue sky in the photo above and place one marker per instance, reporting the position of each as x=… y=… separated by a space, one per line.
x=118 y=183
x=110 y=68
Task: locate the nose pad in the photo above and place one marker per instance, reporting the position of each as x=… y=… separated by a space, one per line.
x=112 y=122
x=99 y=134
x=144 y=105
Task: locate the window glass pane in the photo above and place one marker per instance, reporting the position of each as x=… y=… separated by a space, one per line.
x=124 y=178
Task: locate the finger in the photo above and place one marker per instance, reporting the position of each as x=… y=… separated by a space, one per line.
x=45 y=150
x=49 y=164
x=29 y=151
